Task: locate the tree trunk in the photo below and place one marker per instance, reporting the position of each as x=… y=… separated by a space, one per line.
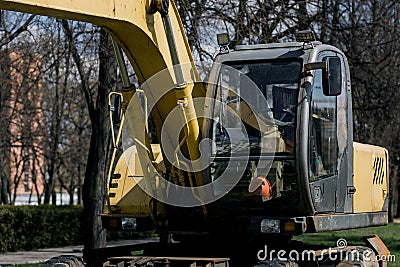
x=98 y=159
x=302 y=16
x=79 y=191
x=71 y=197
x=55 y=132
x=5 y=186
x=5 y=183
x=5 y=157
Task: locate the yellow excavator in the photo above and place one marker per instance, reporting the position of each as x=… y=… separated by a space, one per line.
x=260 y=152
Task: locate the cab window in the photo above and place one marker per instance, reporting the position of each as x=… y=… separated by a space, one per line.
x=323 y=130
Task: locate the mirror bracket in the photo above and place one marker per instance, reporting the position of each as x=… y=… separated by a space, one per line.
x=115 y=100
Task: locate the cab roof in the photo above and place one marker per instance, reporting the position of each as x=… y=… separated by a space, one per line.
x=267 y=51
x=274 y=45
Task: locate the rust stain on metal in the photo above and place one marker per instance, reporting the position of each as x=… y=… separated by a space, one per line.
x=377 y=244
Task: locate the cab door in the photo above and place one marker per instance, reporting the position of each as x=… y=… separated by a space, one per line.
x=323 y=143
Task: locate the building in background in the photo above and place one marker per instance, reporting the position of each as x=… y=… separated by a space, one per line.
x=22 y=157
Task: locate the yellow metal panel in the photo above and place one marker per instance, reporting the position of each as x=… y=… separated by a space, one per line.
x=127 y=183
x=370 y=177
x=129 y=196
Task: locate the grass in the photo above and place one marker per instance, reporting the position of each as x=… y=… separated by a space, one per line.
x=390 y=235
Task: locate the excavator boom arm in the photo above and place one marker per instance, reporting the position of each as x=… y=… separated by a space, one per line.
x=138 y=31
x=153 y=39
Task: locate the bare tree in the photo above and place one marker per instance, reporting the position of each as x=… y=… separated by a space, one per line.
x=5 y=145
x=12 y=25
x=24 y=115
x=99 y=151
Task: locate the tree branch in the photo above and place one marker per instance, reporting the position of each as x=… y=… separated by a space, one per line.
x=82 y=74
x=15 y=34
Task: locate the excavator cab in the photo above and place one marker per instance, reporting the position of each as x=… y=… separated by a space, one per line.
x=281 y=123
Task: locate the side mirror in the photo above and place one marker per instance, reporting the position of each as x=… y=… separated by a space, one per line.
x=332 y=78
x=115 y=105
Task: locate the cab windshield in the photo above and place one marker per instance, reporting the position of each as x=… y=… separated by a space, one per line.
x=254 y=125
x=257 y=104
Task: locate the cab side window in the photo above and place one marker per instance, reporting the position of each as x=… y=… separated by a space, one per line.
x=323 y=130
